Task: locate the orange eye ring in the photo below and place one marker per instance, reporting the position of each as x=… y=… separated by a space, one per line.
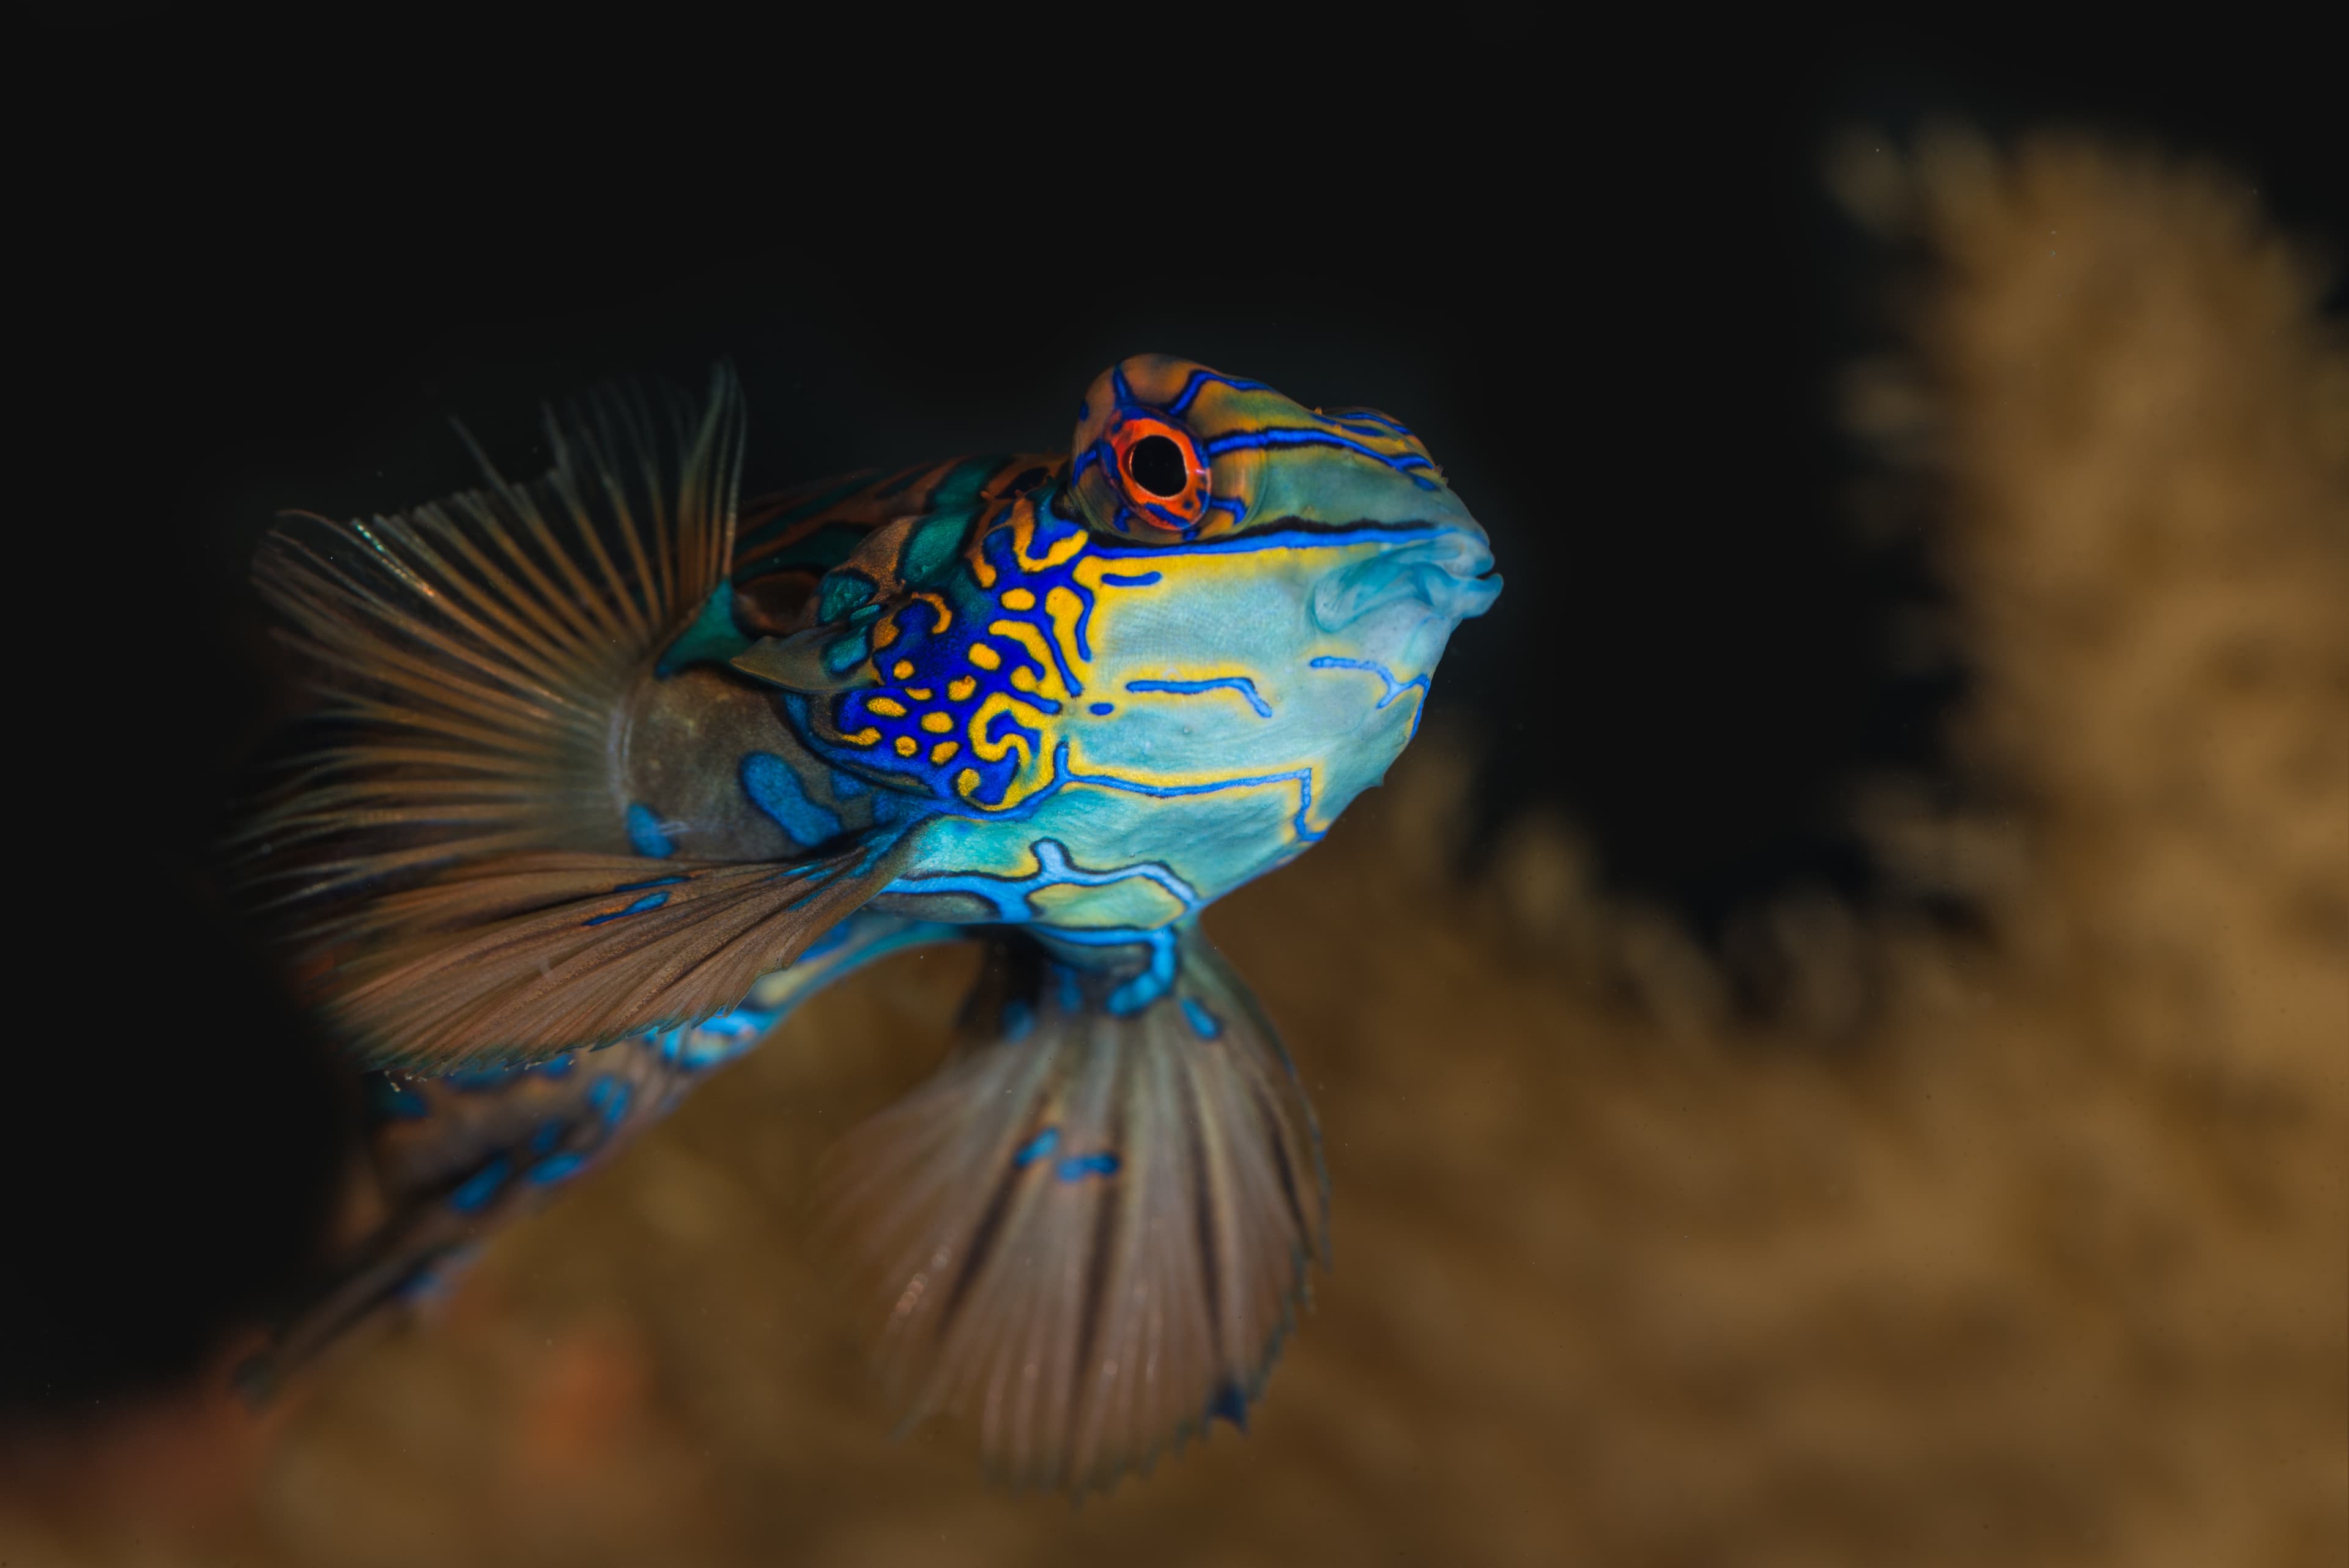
x=1160 y=473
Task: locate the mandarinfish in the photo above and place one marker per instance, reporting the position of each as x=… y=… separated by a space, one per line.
x=613 y=774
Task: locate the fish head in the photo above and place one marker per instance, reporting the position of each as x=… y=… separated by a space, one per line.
x=1190 y=646
x=1310 y=562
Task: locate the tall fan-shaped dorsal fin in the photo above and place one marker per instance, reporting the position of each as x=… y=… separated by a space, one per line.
x=453 y=855
x=472 y=654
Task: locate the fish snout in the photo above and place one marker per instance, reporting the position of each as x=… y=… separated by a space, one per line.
x=1448 y=572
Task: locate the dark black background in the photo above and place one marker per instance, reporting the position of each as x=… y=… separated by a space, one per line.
x=1599 y=274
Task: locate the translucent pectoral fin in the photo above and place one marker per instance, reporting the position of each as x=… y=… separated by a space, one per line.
x=522 y=957
x=1091 y=1230
x=820 y=659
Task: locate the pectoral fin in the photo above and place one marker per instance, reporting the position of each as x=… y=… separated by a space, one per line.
x=1089 y=1231
x=519 y=958
x=885 y=574
x=805 y=660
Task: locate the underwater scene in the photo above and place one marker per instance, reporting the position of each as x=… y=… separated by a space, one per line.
x=1446 y=900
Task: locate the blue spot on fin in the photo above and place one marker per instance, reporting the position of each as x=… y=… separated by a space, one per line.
x=645 y=835
x=649 y=901
x=1076 y=1167
x=475 y=1191
x=555 y=1168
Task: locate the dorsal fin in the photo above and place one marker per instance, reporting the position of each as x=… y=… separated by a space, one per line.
x=472 y=653
x=454 y=858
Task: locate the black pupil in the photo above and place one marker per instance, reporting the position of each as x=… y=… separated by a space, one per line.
x=1158 y=466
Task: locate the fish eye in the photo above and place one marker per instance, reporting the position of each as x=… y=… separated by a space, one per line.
x=1161 y=470
x=1155 y=464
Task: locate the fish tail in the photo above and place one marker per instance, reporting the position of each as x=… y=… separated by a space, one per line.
x=1089 y=1231
x=452 y=855
x=473 y=654
x=459 y=1156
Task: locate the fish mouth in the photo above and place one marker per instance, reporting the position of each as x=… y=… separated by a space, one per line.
x=1449 y=571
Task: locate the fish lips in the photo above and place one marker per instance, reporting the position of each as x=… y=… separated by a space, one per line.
x=1448 y=572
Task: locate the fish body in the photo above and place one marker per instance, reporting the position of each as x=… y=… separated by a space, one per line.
x=624 y=771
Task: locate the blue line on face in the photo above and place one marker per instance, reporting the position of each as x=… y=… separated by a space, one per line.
x=1203 y=1022
x=1245 y=441
x=1036 y=1148
x=1239 y=683
x=1301 y=778
x=1395 y=688
x=1274 y=539
x=1202 y=378
x=1009 y=895
x=1383 y=424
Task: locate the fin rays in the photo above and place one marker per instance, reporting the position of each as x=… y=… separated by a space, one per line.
x=1086 y=1233
x=531 y=954
x=490 y=636
x=450 y=849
